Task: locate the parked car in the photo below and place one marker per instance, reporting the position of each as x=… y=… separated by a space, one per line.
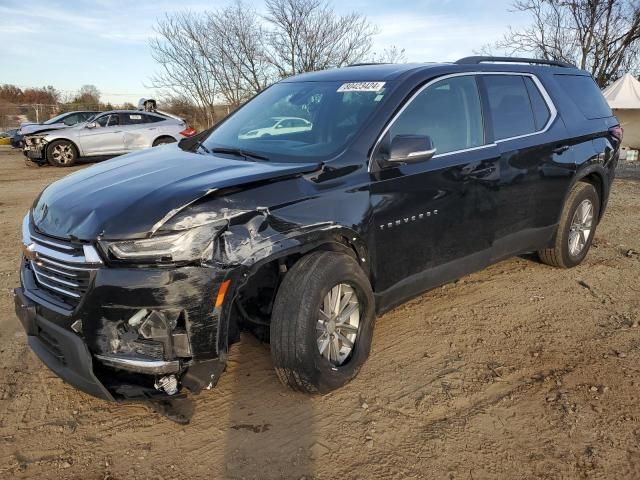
x=107 y=134
x=5 y=137
x=138 y=273
x=276 y=126
x=63 y=120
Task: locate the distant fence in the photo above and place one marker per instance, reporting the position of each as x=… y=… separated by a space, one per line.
x=12 y=115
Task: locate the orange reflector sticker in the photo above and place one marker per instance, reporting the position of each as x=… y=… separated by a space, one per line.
x=222 y=292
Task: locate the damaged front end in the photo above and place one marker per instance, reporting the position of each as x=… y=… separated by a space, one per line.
x=34 y=147
x=127 y=320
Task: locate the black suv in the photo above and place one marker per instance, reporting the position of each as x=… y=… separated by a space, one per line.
x=138 y=273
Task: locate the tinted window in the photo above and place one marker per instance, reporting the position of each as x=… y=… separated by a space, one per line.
x=153 y=118
x=510 y=106
x=541 y=113
x=102 y=121
x=448 y=111
x=133 y=118
x=113 y=120
x=71 y=119
x=585 y=94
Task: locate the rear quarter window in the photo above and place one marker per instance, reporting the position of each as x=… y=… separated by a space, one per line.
x=584 y=92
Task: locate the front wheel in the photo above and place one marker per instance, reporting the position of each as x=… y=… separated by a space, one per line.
x=62 y=153
x=322 y=323
x=576 y=228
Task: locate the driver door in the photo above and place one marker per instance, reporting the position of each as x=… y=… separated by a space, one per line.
x=105 y=138
x=434 y=219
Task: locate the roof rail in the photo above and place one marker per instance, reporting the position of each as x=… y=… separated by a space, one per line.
x=364 y=64
x=535 y=61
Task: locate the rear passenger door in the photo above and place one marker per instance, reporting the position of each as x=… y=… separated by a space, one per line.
x=135 y=128
x=434 y=219
x=535 y=163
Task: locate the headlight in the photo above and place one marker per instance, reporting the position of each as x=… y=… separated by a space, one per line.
x=183 y=246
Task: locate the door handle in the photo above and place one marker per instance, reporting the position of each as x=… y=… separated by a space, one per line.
x=561 y=149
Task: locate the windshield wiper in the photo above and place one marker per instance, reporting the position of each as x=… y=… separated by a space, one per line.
x=201 y=145
x=239 y=152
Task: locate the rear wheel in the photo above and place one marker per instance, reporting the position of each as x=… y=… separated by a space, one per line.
x=322 y=323
x=576 y=228
x=62 y=153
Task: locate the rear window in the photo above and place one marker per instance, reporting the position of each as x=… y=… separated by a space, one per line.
x=585 y=94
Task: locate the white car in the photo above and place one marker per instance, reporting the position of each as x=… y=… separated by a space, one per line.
x=277 y=126
x=108 y=134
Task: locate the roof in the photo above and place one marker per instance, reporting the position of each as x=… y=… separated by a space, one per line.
x=361 y=73
x=623 y=93
x=393 y=71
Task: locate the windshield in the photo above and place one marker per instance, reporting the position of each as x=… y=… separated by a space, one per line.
x=299 y=121
x=56 y=119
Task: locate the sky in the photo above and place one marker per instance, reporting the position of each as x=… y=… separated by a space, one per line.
x=106 y=42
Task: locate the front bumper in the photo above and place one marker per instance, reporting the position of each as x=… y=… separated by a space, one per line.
x=61 y=350
x=90 y=360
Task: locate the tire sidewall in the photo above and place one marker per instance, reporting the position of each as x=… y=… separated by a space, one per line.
x=588 y=192
x=296 y=311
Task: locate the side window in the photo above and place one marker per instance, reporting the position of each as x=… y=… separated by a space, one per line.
x=102 y=121
x=584 y=92
x=541 y=113
x=448 y=111
x=132 y=118
x=71 y=120
x=153 y=119
x=510 y=106
x=114 y=119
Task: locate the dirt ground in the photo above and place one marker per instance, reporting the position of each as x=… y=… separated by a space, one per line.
x=519 y=371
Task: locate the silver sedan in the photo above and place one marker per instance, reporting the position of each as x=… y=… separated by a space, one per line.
x=106 y=134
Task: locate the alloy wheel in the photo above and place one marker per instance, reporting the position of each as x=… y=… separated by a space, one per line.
x=337 y=324
x=581 y=226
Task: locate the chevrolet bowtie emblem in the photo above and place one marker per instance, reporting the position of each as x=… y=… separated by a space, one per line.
x=29 y=252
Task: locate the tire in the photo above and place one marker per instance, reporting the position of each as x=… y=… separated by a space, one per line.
x=62 y=153
x=572 y=242
x=296 y=317
x=163 y=141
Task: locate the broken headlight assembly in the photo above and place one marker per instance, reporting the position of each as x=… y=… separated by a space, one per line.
x=194 y=244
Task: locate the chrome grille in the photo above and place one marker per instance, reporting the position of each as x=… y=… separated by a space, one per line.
x=60 y=267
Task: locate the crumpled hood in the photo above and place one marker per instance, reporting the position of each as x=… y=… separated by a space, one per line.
x=125 y=197
x=38 y=128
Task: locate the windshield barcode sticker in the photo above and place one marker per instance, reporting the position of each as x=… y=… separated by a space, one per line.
x=361 y=87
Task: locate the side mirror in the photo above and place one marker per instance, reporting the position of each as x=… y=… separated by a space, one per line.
x=91 y=125
x=411 y=148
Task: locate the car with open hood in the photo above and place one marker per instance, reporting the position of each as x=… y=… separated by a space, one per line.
x=139 y=273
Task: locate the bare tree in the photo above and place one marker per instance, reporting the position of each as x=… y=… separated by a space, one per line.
x=230 y=54
x=391 y=54
x=236 y=52
x=184 y=70
x=307 y=35
x=600 y=36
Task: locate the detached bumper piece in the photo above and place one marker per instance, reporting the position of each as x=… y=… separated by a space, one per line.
x=61 y=350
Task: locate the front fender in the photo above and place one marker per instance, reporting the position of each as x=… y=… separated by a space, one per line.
x=263 y=237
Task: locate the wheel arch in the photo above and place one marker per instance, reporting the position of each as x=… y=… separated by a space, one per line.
x=72 y=142
x=264 y=273
x=160 y=137
x=596 y=177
